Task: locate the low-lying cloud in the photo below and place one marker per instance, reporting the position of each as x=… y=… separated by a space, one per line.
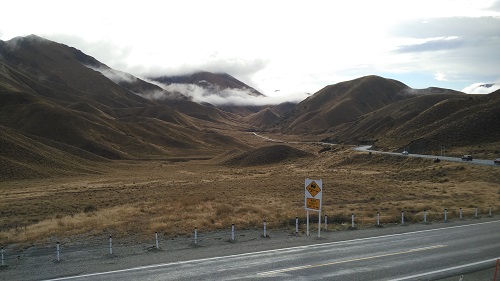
x=482 y=88
x=114 y=75
x=228 y=96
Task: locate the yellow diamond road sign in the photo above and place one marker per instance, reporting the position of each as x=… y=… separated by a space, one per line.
x=313 y=191
x=313 y=188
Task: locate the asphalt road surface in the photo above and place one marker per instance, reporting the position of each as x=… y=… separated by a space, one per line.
x=367 y=149
x=419 y=255
x=443 y=158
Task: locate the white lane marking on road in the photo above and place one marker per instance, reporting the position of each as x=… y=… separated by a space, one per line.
x=263 y=252
x=446 y=269
x=272 y=272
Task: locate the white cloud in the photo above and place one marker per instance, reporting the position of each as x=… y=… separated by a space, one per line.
x=229 y=96
x=482 y=88
x=294 y=46
x=114 y=75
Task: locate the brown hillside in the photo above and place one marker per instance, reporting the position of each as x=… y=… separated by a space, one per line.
x=262 y=119
x=52 y=93
x=453 y=123
x=376 y=124
x=22 y=157
x=267 y=155
x=343 y=102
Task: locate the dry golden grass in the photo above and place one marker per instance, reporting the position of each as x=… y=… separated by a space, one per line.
x=135 y=199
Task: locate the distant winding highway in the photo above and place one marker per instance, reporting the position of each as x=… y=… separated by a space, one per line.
x=366 y=148
x=442 y=158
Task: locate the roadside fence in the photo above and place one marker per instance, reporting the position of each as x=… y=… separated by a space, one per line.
x=91 y=247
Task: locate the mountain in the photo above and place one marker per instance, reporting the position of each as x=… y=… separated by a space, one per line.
x=215 y=88
x=55 y=95
x=62 y=112
x=213 y=82
x=456 y=122
x=342 y=102
x=398 y=117
x=392 y=116
x=268 y=116
x=373 y=125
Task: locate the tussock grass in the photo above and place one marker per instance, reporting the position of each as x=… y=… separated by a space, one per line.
x=135 y=199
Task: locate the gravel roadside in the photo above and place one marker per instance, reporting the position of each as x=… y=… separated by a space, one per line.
x=76 y=258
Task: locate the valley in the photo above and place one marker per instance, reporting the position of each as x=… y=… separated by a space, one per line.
x=133 y=198
x=86 y=150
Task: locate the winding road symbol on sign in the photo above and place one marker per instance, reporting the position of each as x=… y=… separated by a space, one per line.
x=313 y=189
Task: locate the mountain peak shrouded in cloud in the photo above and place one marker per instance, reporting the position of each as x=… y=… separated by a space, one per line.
x=213 y=88
x=207 y=79
x=482 y=88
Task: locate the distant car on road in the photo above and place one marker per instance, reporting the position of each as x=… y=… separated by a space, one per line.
x=404 y=152
x=467 y=158
x=497 y=161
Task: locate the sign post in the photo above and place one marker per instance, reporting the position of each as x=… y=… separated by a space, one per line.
x=313 y=190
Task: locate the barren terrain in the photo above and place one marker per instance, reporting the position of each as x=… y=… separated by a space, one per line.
x=172 y=196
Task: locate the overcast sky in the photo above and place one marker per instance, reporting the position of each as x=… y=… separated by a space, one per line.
x=295 y=47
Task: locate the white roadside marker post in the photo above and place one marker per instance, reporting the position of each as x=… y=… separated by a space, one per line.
x=475 y=212
x=57 y=252
x=445 y=215
x=402 y=217
x=195 y=235
x=378 y=218
x=296 y=225
x=319 y=224
x=461 y=214
x=352 y=220
x=157 y=245
x=3 y=262
x=265 y=228
x=326 y=222
x=307 y=223
x=232 y=232
x=425 y=216
x=110 y=245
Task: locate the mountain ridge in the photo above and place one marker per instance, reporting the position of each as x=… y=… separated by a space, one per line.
x=54 y=99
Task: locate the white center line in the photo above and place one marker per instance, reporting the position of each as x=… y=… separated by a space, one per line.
x=351 y=260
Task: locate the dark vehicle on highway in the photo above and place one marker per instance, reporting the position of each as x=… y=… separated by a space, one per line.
x=467 y=158
x=497 y=161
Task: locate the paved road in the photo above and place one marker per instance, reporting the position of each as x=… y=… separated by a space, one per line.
x=367 y=149
x=418 y=255
x=443 y=158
